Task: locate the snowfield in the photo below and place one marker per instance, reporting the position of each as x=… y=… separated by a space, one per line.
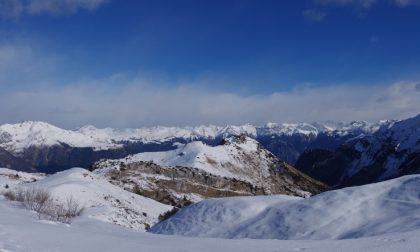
x=382 y=216
x=12 y=178
x=375 y=209
x=20 y=231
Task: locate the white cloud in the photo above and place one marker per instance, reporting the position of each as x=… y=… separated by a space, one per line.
x=133 y=101
x=16 y=8
x=366 y=4
x=313 y=15
x=141 y=104
x=11 y=8
x=62 y=6
x=22 y=65
x=406 y=3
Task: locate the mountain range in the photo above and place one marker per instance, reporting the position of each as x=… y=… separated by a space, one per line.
x=184 y=181
x=337 y=154
x=40 y=143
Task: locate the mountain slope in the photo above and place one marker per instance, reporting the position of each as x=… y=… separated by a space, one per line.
x=102 y=201
x=369 y=210
x=392 y=151
x=238 y=166
x=21 y=231
x=10 y=161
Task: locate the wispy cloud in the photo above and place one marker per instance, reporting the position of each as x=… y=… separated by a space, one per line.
x=313 y=15
x=367 y=4
x=16 y=8
x=122 y=100
x=22 y=64
x=406 y=3
x=139 y=103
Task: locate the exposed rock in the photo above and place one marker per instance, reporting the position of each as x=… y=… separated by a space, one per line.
x=256 y=172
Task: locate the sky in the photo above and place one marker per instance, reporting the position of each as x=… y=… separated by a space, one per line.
x=136 y=63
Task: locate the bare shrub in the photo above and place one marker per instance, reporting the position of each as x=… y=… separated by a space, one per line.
x=64 y=212
x=10 y=195
x=36 y=199
x=45 y=205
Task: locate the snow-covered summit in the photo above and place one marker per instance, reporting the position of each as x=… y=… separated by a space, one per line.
x=239 y=165
x=290 y=129
x=239 y=157
x=17 y=137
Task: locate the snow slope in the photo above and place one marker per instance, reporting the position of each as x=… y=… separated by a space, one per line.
x=227 y=160
x=375 y=209
x=17 y=137
x=20 y=231
x=102 y=200
x=14 y=178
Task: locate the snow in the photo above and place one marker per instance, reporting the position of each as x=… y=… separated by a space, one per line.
x=102 y=200
x=21 y=231
x=227 y=160
x=15 y=138
x=370 y=210
x=402 y=136
x=406 y=134
x=14 y=178
x=290 y=129
x=379 y=217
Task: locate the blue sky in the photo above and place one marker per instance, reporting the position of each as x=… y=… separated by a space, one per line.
x=255 y=51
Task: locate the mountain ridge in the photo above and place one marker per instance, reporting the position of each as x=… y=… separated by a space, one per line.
x=390 y=152
x=49 y=148
x=194 y=171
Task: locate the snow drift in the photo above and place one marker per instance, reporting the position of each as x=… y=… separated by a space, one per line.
x=386 y=207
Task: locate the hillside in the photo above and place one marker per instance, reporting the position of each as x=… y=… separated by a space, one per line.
x=238 y=166
x=369 y=210
x=102 y=201
x=21 y=231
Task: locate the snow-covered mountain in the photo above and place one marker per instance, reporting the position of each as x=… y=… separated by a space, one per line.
x=238 y=157
x=391 y=151
x=17 y=137
x=376 y=209
x=49 y=148
x=238 y=166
